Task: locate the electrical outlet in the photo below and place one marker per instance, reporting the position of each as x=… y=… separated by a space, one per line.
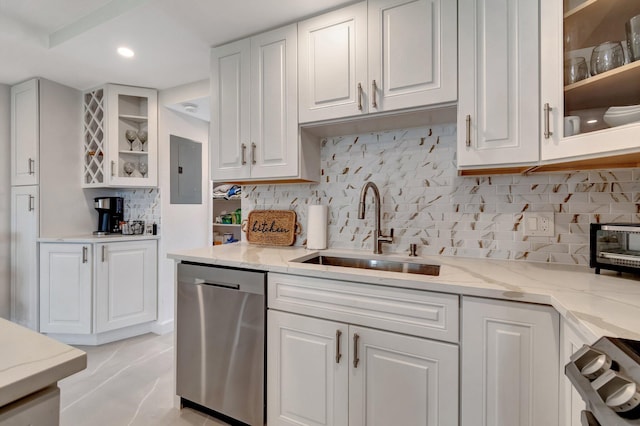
x=537 y=224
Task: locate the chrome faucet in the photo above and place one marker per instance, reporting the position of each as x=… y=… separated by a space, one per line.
x=378 y=238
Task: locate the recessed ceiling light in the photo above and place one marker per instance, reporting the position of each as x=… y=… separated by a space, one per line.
x=126 y=52
x=192 y=108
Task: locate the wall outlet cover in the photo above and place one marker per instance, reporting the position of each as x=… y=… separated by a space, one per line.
x=539 y=224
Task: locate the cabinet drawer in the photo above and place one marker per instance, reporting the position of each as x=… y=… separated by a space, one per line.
x=419 y=313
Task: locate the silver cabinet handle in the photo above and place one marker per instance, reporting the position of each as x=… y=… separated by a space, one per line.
x=113 y=163
x=104 y=254
x=468 y=141
x=244 y=154
x=374 y=88
x=253 y=153
x=359 y=97
x=338 y=354
x=84 y=254
x=356 y=360
x=547 y=110
x=31 y=203
x=32 y=164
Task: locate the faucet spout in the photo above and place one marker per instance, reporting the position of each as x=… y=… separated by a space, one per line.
x=378 y=237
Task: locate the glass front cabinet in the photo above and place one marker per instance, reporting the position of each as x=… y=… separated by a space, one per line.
x=590 y=80
x=120 y=134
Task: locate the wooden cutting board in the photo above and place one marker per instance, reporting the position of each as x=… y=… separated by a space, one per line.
x=271 y=227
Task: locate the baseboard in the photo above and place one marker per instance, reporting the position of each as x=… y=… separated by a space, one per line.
x=163 y=327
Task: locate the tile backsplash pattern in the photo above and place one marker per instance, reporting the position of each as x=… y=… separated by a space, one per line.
x=141 y=204
x=427 y=203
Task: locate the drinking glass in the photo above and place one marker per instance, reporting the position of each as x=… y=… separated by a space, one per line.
x=575 y=69
x=131 y=136
x=606 y=56
x=142 y=137
x=633 y=38
x=143 y=169
x=129 y=168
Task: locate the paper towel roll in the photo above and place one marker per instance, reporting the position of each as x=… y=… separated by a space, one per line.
x=317 y=227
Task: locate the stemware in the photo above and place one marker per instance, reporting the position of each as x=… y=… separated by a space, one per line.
x=129 y=168
x=142 y=137
x=143 y=168
x=131 y=136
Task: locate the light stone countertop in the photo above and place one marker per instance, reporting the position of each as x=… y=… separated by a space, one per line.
x=597 y=305
x=90 y=238
x=30 y=361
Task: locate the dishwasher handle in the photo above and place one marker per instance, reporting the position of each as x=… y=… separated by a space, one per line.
x=227 y=286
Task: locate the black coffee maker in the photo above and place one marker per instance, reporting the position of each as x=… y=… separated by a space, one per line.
x=110 y=214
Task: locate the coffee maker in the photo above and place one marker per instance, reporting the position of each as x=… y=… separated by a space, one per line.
x=110 y=214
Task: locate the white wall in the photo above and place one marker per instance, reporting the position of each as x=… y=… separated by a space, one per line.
x=5 y=199
x=183 y=226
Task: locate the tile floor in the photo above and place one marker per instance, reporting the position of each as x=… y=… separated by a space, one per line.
x=127 y=383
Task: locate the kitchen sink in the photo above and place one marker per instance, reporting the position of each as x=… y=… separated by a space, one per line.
x=375 y=264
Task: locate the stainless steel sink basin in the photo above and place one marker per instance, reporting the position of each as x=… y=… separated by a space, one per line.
x=375 y=264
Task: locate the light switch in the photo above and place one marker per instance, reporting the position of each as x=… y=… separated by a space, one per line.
x=538 y=224
x=533 y=223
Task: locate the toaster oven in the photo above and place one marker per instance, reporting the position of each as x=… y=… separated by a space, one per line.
x=615 y=246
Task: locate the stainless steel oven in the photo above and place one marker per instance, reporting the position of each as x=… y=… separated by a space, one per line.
x=607 y=377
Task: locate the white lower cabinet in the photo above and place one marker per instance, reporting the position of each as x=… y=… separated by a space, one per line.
x=24 y=254
x=509 y=367
x=88 y=289
x=571 y=403
x=323 y=372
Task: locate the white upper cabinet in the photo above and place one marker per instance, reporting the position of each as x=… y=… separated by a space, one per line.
x=332 y=64
x=254 y=109
x=573 y=127
x=25 y=133
x=498 y=81
x=120 y=137
x=375 y=56
x=412 y=53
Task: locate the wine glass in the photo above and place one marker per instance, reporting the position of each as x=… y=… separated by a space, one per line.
x=144 y=168
x=131 y=136
x=143 y=137
x=129 y=168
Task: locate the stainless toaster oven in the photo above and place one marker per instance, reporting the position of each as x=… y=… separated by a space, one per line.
x=615 y=246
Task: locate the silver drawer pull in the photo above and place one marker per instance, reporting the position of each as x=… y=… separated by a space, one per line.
x=468 y=141
x=359 y=97
x=32 y=164
x=84 y=254
x=243 y=159
x=356 y=359
x=338 y=354
x=547 y=111
x=374 y=88
x=32 y=200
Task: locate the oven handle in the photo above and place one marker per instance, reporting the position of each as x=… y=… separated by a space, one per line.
x=618 y=228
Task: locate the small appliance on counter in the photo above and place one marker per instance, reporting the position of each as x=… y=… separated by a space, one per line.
x=615 y=246
x=110 y=214
x=607 y=377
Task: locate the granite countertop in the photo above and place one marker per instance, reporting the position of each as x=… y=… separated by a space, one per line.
x=597 y=305
x=30 y=361
x=90 y=238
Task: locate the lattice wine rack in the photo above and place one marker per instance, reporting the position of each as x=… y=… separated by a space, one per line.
x=94 y=137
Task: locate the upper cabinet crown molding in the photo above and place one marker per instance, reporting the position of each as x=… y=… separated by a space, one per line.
x=110 y=159
x=375 y=56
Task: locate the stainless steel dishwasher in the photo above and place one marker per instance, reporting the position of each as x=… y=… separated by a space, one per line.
x=220 y=341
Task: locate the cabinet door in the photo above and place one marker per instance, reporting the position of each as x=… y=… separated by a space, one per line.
x=509 y=366
x=65 y=288
x=230 y=111
x=307 y=371
x=25 y=133
x=332 y=64
x=274 y=103
x=571 y=29
x=126 y=284
x=498 y=81
x=412 y=53
x=571 y=403
x=132 y=109
x=24 y=259
x=401 y=380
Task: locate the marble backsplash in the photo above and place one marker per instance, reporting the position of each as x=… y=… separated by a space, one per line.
x=427 y=203
x=141 y=204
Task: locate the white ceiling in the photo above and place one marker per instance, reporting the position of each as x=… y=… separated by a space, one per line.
x=74 y=42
